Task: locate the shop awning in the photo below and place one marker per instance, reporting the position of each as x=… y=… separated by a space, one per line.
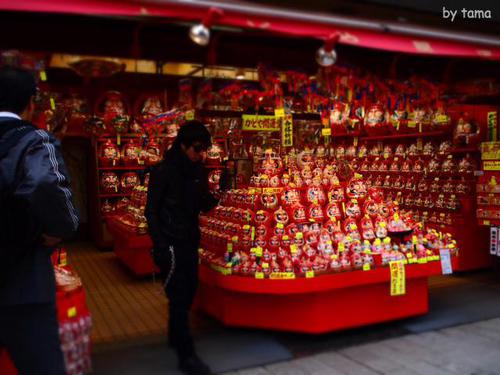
x=355 y=32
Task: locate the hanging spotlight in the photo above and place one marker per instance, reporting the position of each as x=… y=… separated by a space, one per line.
x=200 y=33
x=326 y=55
x=239 y=74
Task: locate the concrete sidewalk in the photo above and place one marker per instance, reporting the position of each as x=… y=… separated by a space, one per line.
x=466 y=349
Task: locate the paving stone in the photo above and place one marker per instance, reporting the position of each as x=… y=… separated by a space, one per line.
x=313 y=366
x=367 y=355
x=344 y=365
x=253 y=371
x=286 y=368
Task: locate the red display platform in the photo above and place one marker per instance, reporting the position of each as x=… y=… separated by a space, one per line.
x=317 y=305
x=131 y=248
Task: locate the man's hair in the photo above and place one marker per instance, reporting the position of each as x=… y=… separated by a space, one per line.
x=17 y=87
x=193 y=132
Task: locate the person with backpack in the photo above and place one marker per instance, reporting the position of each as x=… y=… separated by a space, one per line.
x=178 y=191
x=36 y=213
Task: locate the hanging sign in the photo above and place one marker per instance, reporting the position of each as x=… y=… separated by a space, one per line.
x=258 y=123
x=287 y=131
x=398 y=278
x=491 y=165
x=444 y=254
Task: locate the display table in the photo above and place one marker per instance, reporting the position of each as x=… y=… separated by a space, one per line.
x=133 y=250
x=316 y=305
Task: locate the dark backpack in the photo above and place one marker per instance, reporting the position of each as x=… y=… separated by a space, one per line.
x=19 y=230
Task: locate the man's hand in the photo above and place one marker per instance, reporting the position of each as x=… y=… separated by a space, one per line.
x=50 y=241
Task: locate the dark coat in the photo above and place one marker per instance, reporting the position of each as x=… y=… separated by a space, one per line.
x=178 y=192
x=35 y=172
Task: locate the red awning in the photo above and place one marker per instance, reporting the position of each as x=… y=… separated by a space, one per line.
x=427 y=42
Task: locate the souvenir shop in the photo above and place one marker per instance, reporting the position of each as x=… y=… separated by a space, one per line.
x=359 y=163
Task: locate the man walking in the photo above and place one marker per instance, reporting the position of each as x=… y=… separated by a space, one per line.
x=178 y=191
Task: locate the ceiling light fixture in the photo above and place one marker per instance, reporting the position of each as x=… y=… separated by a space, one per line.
x=326 y=55
x=200 y=33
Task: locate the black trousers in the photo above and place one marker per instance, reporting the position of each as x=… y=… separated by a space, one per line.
x=30 y=333
x=180 y=290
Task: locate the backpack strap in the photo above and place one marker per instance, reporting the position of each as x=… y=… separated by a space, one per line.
x=23 y=128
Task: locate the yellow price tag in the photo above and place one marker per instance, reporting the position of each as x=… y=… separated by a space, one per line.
x=293 y=249
x=52 y=104
x=326 y=132
x=43 y=75
x=299 y=235
x=252 y=235
x=259 y=275
x=309 y=274
x=398 y=278
x=366 y=267
x=265 y=265
x=72 y=312
x=189 y=115
x=258 y=251
x=235 y=238
x=229 y=247
x=279 y=112
x=279 y=225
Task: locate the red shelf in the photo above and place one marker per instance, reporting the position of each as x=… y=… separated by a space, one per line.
x=118 y=195
x=322 y=304
x=403 y=136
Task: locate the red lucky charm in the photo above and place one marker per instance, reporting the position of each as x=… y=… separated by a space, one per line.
x=371 y=207
x=215 y=154
x=214 y=180
x=400 y=151
x=274 y=243
x=148 y=108
x=352 y=209
x=152 y=153
x=315 y=194
x=466 y=165
x=269 y=200
x=109 y=183
x=356 y=188
x=336 y=194
x=281 y=216
x=262 y=217
x=113 y=110
x=298 y=213
x=261 y=230
x=418 y=166
x=376 y=120
x=292 y=229
x=109 y=154
x=131 y=153
x=332 y=210
x=315 y=213
x=367 y=229
x=128 y=182
x=338 y=119
x=381 y=228
x=290 y=196
x=433 y=166
x=331 y=226
x=466 y=132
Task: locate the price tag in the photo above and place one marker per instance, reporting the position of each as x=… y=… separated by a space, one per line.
x=279 y=226
x=52 y=104
x=72 y=312
x=422 y=260
x=309 y=274
x=293 y=249
x=446 y=261
x=265 y=265
x=118 y=139
x=252 y=235
x=299 y=235
x=279 y=112
x=235 y=239
x=259 y=275
x=229 y=247
x=258 y=251
x=282 y=275
x=43 y=75
x=355 y=142
x=326 y=132
x=366 y=267
x=412 y=124
x=189 y=115
x=398 y=278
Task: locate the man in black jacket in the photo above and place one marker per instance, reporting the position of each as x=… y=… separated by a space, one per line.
x=34 y=190
x=178 y=191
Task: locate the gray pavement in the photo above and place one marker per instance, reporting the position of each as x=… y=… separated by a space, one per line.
x=466 y=349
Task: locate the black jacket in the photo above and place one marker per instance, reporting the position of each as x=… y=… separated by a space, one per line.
x=34 y=170
x=178 y=191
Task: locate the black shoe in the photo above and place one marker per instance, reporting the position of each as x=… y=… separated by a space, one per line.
x=193 y=365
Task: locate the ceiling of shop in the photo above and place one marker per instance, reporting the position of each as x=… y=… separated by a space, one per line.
x=420 y=12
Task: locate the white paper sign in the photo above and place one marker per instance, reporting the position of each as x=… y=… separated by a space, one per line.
x=446 y=261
